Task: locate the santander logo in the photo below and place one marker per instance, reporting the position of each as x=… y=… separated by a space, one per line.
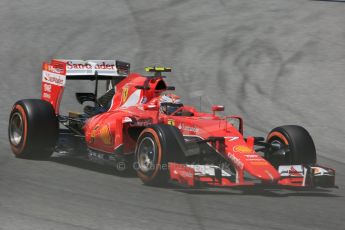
x=84 y=66
x=54 y=79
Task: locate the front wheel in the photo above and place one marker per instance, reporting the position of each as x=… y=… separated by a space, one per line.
x=292 y=145
x=158 y=145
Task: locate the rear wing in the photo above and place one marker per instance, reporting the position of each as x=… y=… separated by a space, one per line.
x=55 y=74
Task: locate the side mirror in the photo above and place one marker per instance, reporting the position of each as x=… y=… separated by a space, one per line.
x=150 y=106
x=236 y=122
x=217 y=108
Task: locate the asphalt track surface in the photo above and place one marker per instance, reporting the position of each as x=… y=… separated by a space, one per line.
x=272 y=61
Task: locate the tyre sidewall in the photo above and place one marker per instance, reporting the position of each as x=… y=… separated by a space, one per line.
x=157 y=175
x=19 y=149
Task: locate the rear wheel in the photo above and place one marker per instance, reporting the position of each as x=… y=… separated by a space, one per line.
x=156 y=147
x=292 y=145
x=33 y=128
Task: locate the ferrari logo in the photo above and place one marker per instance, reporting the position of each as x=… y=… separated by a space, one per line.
x=171 y=122
x=125 y=93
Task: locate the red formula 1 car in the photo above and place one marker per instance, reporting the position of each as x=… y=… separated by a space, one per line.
x=163 y=140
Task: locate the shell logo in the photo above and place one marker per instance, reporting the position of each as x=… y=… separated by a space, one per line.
x=242 y=149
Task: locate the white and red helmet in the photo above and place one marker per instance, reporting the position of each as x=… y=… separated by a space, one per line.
x=169 y=103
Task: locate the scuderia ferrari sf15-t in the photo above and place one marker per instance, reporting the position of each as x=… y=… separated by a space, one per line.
x=127 y=125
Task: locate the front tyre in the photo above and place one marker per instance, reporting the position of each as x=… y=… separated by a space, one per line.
x=158 y=145
x=33 y=128
x=292 y=145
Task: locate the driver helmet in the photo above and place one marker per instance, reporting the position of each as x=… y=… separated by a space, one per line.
x=169 y=103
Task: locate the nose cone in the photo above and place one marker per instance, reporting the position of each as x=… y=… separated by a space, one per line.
x=246 y=158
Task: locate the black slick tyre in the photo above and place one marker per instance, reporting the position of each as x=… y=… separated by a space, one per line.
x=296 y=146
x=33 y=128
x=158 y=145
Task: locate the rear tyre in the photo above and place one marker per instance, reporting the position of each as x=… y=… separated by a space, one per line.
x=158 y=145
x=293 y=145
x=33 y=128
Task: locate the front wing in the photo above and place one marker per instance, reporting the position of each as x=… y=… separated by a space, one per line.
x=291 y=175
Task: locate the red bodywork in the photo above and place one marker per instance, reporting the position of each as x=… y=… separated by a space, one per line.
x=134 y=106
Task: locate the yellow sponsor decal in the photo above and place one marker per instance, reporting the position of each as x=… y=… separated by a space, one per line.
x=242 y=149
x=171 y=122
x=125 y=93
